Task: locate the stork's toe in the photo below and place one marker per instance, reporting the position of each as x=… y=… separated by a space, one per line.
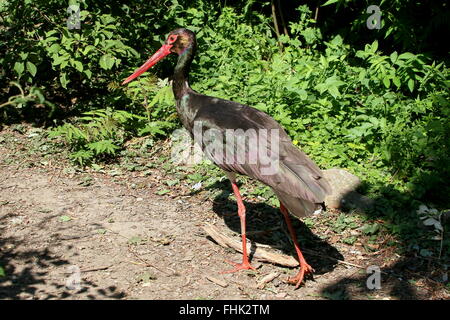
x=298 y=279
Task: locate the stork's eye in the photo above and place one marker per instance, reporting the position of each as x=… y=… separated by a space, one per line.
x=172 y=38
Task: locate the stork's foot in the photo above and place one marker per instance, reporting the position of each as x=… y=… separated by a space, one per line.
x=298 y=279
x=245 y=265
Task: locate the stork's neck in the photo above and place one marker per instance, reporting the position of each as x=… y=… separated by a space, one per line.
x=181 y=74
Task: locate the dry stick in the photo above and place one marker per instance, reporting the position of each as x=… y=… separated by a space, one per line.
x=274 y=16
x=264 y=255
x=91 y=270
x=282 y=18
x=219 y=282
x=275 y=258
x=22 y=94
x=269 y=278
x=96 y=269
x=313 y=253
x=259 y=253
x=144 y=262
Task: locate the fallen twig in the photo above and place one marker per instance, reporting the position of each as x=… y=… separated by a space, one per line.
x=270 y=277
x=264 y=255
x=219 y=282
x=145 y=263
x=257 y=252
x=96 y=269
x=90 y=270
x=313 y=253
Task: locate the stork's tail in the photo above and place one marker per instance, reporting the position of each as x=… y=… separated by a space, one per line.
x=297 y=206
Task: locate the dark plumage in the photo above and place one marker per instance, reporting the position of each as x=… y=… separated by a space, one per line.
x=297 y=181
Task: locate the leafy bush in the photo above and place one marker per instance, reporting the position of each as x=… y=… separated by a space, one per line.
x=382 y=115
x=99 y=133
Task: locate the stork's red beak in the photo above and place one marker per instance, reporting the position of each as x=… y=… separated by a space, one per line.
x=159 y=55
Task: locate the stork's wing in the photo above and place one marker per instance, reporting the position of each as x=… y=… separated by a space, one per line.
x=242 y=139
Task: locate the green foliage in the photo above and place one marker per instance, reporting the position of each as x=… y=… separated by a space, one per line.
x=99 y=133
x=343 y=222
x=415 y=26
x=381 y=114
x=378 y=115
x=43 y=52
x=22 y=100
x=90 y=50
x=160 y=106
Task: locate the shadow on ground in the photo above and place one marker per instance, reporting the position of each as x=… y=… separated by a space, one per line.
x=266 y=225
x=397 y=213
x=38 y=273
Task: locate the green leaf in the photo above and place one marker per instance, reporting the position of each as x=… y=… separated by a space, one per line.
x=103 y=146
x=393 y=56
x=411 y=85
x=350 y=240
x=65 y=218
x=106 y=61
x=38 y=94
x=31 y=68
x=101 y=231
x=88 y=73
x=386 y=82
x=19 y=68
x=331 y=85
x=58 y=60
x=88 y=49
x=78 y=65
x=406 y=56
x=63 y=80
x=396 y=81
x=135 y=240
x=50 y=33
x=171 y=183
x=54 y=48
x=329 y=2
x=23 y=55
x=356 y=146
x=375 y=46
x=370 y=228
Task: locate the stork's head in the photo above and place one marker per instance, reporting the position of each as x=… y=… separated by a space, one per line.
x=178 y=41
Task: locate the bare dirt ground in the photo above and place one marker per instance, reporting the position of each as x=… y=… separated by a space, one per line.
x=127 y=242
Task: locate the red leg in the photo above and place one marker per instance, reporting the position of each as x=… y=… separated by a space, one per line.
x=304 y=267
x=245 y=265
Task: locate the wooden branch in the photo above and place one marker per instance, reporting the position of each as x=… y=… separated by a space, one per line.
x=264 y=255
x=275 y=22
x=257 y=253
x=316 y=15
x=96 y=269
x=271 y=276
x=219 y=282
x=280 y=11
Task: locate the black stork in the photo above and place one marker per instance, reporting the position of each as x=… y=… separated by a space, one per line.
x=298 y=182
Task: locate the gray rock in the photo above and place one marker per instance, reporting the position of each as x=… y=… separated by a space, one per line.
x=344 y=195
